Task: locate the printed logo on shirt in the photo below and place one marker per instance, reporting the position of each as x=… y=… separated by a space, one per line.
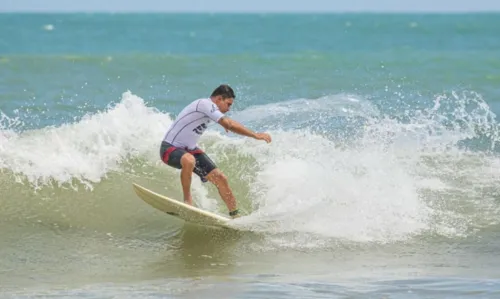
x=199 y=129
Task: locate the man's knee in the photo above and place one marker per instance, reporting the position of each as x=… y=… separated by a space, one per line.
x=188 y=161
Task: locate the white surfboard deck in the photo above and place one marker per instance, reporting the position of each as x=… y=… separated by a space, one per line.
x=181 y=210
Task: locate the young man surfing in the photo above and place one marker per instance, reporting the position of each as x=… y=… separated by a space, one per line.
x=179 y=147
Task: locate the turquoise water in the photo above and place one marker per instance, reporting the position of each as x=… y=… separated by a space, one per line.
x=381 y=181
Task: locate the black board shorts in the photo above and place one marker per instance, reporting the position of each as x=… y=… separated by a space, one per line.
x=172 y=155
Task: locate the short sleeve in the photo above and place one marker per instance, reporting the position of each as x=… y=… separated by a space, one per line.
x=209 y=108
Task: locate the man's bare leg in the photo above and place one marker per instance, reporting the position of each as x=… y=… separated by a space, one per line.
x=220 y=181
x=187 y=162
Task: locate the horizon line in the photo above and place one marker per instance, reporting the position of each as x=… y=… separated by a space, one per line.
x=252 y=11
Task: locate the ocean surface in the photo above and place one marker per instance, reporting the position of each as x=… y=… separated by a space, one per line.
x=382 y=180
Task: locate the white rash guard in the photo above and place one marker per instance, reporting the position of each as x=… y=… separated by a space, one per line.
x=191 y=122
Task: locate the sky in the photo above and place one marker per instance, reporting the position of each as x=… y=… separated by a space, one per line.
x=248 y=5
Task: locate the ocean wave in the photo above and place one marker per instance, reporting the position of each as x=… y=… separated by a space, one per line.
x=390 y=178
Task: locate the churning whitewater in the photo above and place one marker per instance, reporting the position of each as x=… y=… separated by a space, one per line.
x=339 y=169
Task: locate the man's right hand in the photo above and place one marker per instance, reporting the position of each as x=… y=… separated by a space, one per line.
x=263 y=136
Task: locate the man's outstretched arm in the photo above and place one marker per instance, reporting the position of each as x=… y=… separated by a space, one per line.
x=236 y=127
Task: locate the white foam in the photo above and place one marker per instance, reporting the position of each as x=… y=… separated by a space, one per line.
x=88 y=149
x=307 y=184
x=48 y=27
x=313 y=187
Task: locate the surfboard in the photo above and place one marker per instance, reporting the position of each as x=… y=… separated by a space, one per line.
x=181 y=210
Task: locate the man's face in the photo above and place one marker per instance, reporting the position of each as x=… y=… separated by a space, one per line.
x=224 y=104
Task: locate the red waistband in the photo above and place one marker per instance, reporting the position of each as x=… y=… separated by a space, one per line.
x=172 y=148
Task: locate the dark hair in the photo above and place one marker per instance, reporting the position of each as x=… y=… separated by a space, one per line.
x=225 y=91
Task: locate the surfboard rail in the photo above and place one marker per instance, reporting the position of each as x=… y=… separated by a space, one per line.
x=180 y=209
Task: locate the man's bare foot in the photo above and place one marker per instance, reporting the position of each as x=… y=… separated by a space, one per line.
x=188 y=200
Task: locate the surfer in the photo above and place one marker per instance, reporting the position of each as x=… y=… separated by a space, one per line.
x=179 y=147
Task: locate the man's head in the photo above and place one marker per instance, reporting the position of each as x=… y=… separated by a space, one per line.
x=223 y=96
